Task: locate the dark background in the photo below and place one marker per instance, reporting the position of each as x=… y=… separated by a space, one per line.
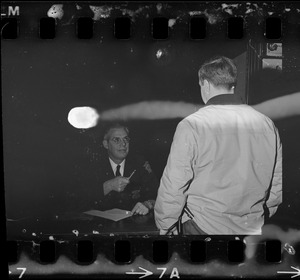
x=45 y=157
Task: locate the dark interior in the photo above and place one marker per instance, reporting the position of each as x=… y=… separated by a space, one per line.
x=43 y=80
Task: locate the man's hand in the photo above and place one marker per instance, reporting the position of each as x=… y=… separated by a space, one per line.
x=117 y=184
x=140 y=209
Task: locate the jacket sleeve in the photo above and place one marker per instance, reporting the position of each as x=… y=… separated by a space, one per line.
x=275 y=197
x=176 y=177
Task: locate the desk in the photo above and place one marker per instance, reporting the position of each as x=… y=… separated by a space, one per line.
x=63 y=227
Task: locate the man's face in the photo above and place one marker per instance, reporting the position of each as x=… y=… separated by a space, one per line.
x=117 y=144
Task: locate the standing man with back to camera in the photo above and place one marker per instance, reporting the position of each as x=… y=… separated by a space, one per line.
x=225 y=164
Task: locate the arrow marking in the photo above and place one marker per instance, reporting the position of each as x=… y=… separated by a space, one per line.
x=145 y=273
x=297 y=272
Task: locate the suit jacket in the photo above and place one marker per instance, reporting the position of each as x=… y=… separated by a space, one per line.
x=143 y=185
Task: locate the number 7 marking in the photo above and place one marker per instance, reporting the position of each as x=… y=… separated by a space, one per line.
x=23 y=271
x=163 y=269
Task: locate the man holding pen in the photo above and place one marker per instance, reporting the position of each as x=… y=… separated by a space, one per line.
x=123 y=181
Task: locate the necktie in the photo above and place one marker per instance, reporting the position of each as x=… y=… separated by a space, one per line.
x=118 y=171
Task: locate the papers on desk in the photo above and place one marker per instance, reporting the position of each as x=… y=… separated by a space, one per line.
x=113 y=214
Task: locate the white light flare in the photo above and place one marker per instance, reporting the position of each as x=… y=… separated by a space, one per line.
x=150 y=110
x=159 y=53
x=276 y=108
x=56 y=11
x=83 y=117
x=87 y=117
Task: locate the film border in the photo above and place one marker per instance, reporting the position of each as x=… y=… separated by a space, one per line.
x=176 y=239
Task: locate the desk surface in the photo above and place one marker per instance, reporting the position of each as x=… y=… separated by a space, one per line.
x=79 y=225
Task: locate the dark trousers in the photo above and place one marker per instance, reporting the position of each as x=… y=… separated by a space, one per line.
x=191 y=228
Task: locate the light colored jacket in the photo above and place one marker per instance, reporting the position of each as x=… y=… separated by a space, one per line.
x=226 y=162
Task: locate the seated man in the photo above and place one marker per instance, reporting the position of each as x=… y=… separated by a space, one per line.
x=123 y=181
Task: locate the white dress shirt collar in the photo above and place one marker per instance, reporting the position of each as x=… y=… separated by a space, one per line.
x=114 y=166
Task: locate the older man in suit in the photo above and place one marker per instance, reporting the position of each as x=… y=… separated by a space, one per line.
x=123 y=180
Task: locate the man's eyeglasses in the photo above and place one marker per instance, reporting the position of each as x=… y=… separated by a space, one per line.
x=119 y=140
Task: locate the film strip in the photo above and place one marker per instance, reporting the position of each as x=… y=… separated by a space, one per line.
x=72 y=69
x=159 y=31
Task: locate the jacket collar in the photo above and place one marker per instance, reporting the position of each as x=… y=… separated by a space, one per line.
x=225 y=99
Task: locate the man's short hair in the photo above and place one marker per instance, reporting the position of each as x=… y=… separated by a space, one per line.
x=115 y=126
x=220 y=71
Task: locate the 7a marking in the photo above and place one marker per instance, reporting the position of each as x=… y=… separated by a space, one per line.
x=145 y=272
